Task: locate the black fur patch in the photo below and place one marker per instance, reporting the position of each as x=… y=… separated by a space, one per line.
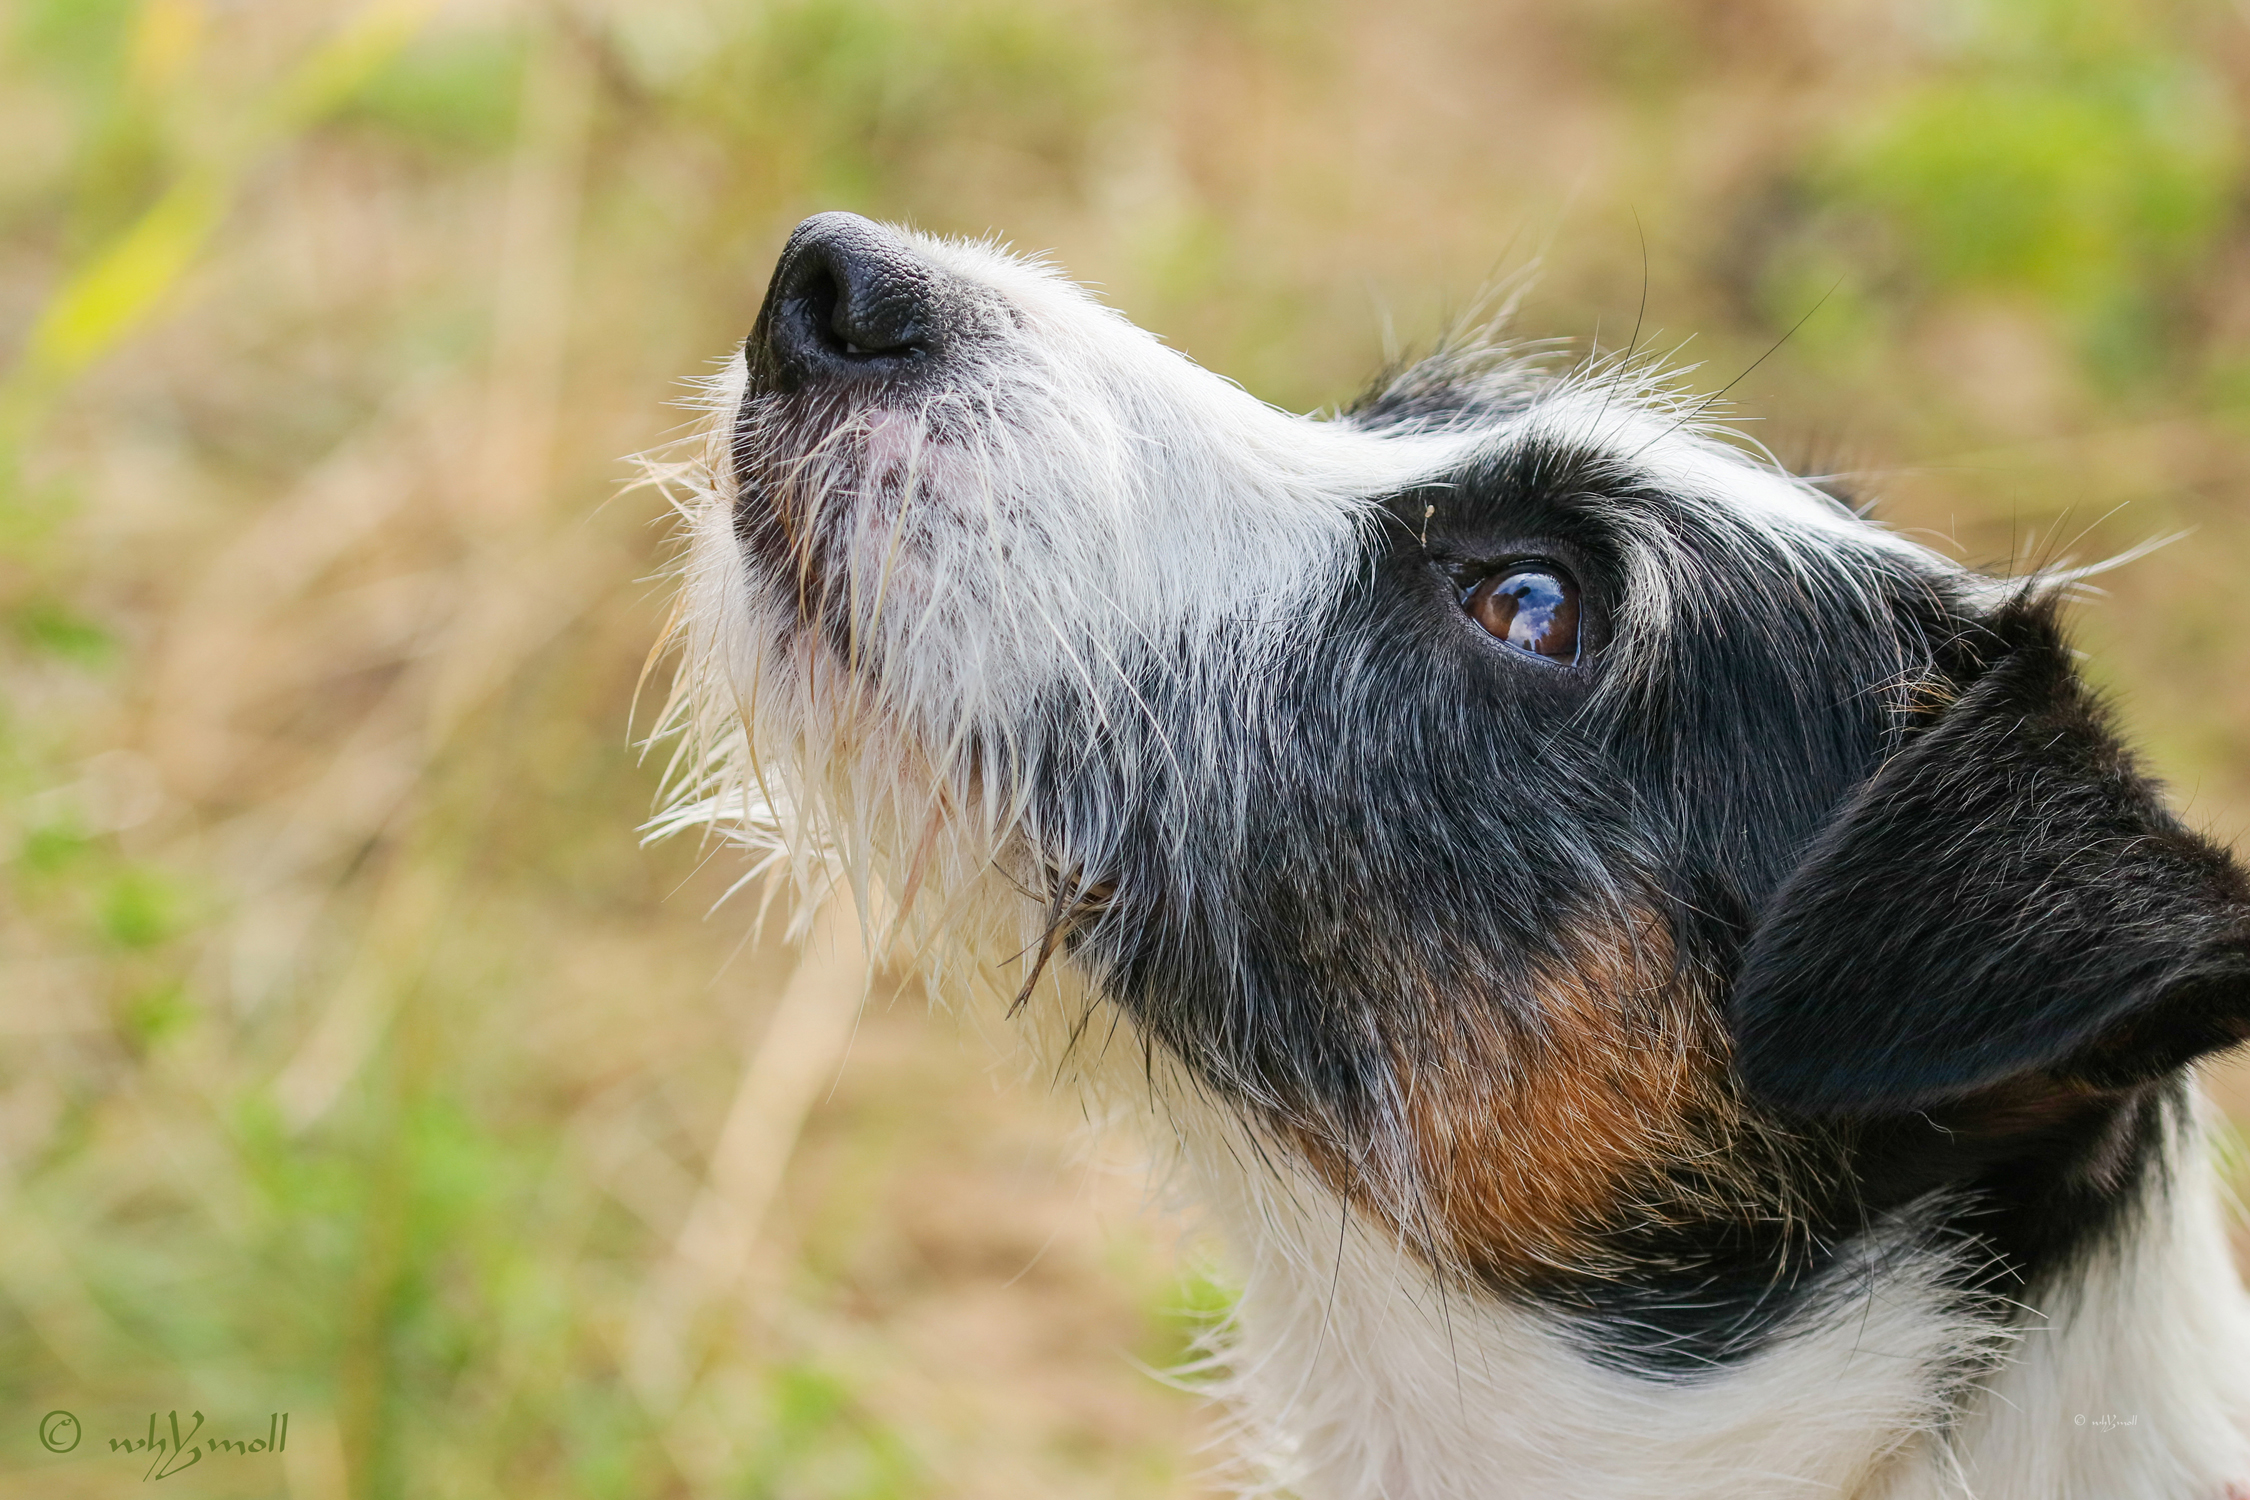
x=2007 y=895
x=1414 y=818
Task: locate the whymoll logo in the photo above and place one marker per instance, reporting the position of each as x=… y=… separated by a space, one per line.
x=172 y=1447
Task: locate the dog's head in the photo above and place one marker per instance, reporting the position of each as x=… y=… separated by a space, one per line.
x=1552 y=823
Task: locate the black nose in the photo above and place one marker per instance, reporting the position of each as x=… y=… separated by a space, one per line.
x=850 y=299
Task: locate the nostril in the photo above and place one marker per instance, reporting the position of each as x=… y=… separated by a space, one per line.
x=874 y=310
x=818 y=299
x=858 y=324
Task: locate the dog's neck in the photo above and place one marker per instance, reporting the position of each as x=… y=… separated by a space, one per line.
x=1358 y=1376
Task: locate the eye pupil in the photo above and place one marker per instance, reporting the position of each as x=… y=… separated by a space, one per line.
x=1534 y=610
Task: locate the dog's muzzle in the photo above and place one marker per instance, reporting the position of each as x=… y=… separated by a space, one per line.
x=852 y=302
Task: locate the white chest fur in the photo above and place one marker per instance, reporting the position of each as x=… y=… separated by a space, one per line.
x=1354 y=1376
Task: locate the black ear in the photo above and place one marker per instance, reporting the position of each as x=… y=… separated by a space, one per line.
x=2006 y=896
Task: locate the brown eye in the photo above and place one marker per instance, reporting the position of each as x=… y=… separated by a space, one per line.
x=1532 y=609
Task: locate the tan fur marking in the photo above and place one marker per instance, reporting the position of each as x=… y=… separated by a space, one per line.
x=1525 y=1137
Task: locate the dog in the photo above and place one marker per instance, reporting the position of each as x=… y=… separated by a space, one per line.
x=1664 y=986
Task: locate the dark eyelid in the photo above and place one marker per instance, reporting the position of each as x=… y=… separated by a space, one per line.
x=1470 y=573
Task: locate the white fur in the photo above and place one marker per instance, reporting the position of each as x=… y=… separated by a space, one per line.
x=1357 y=1376
x=1108 y=492
x=1080 y=489
x=2133 y=1379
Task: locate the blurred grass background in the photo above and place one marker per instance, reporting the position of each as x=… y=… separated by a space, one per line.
x=354 y=1059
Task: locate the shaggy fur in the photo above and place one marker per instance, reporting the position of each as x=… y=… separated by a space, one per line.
x=1741 y=1054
